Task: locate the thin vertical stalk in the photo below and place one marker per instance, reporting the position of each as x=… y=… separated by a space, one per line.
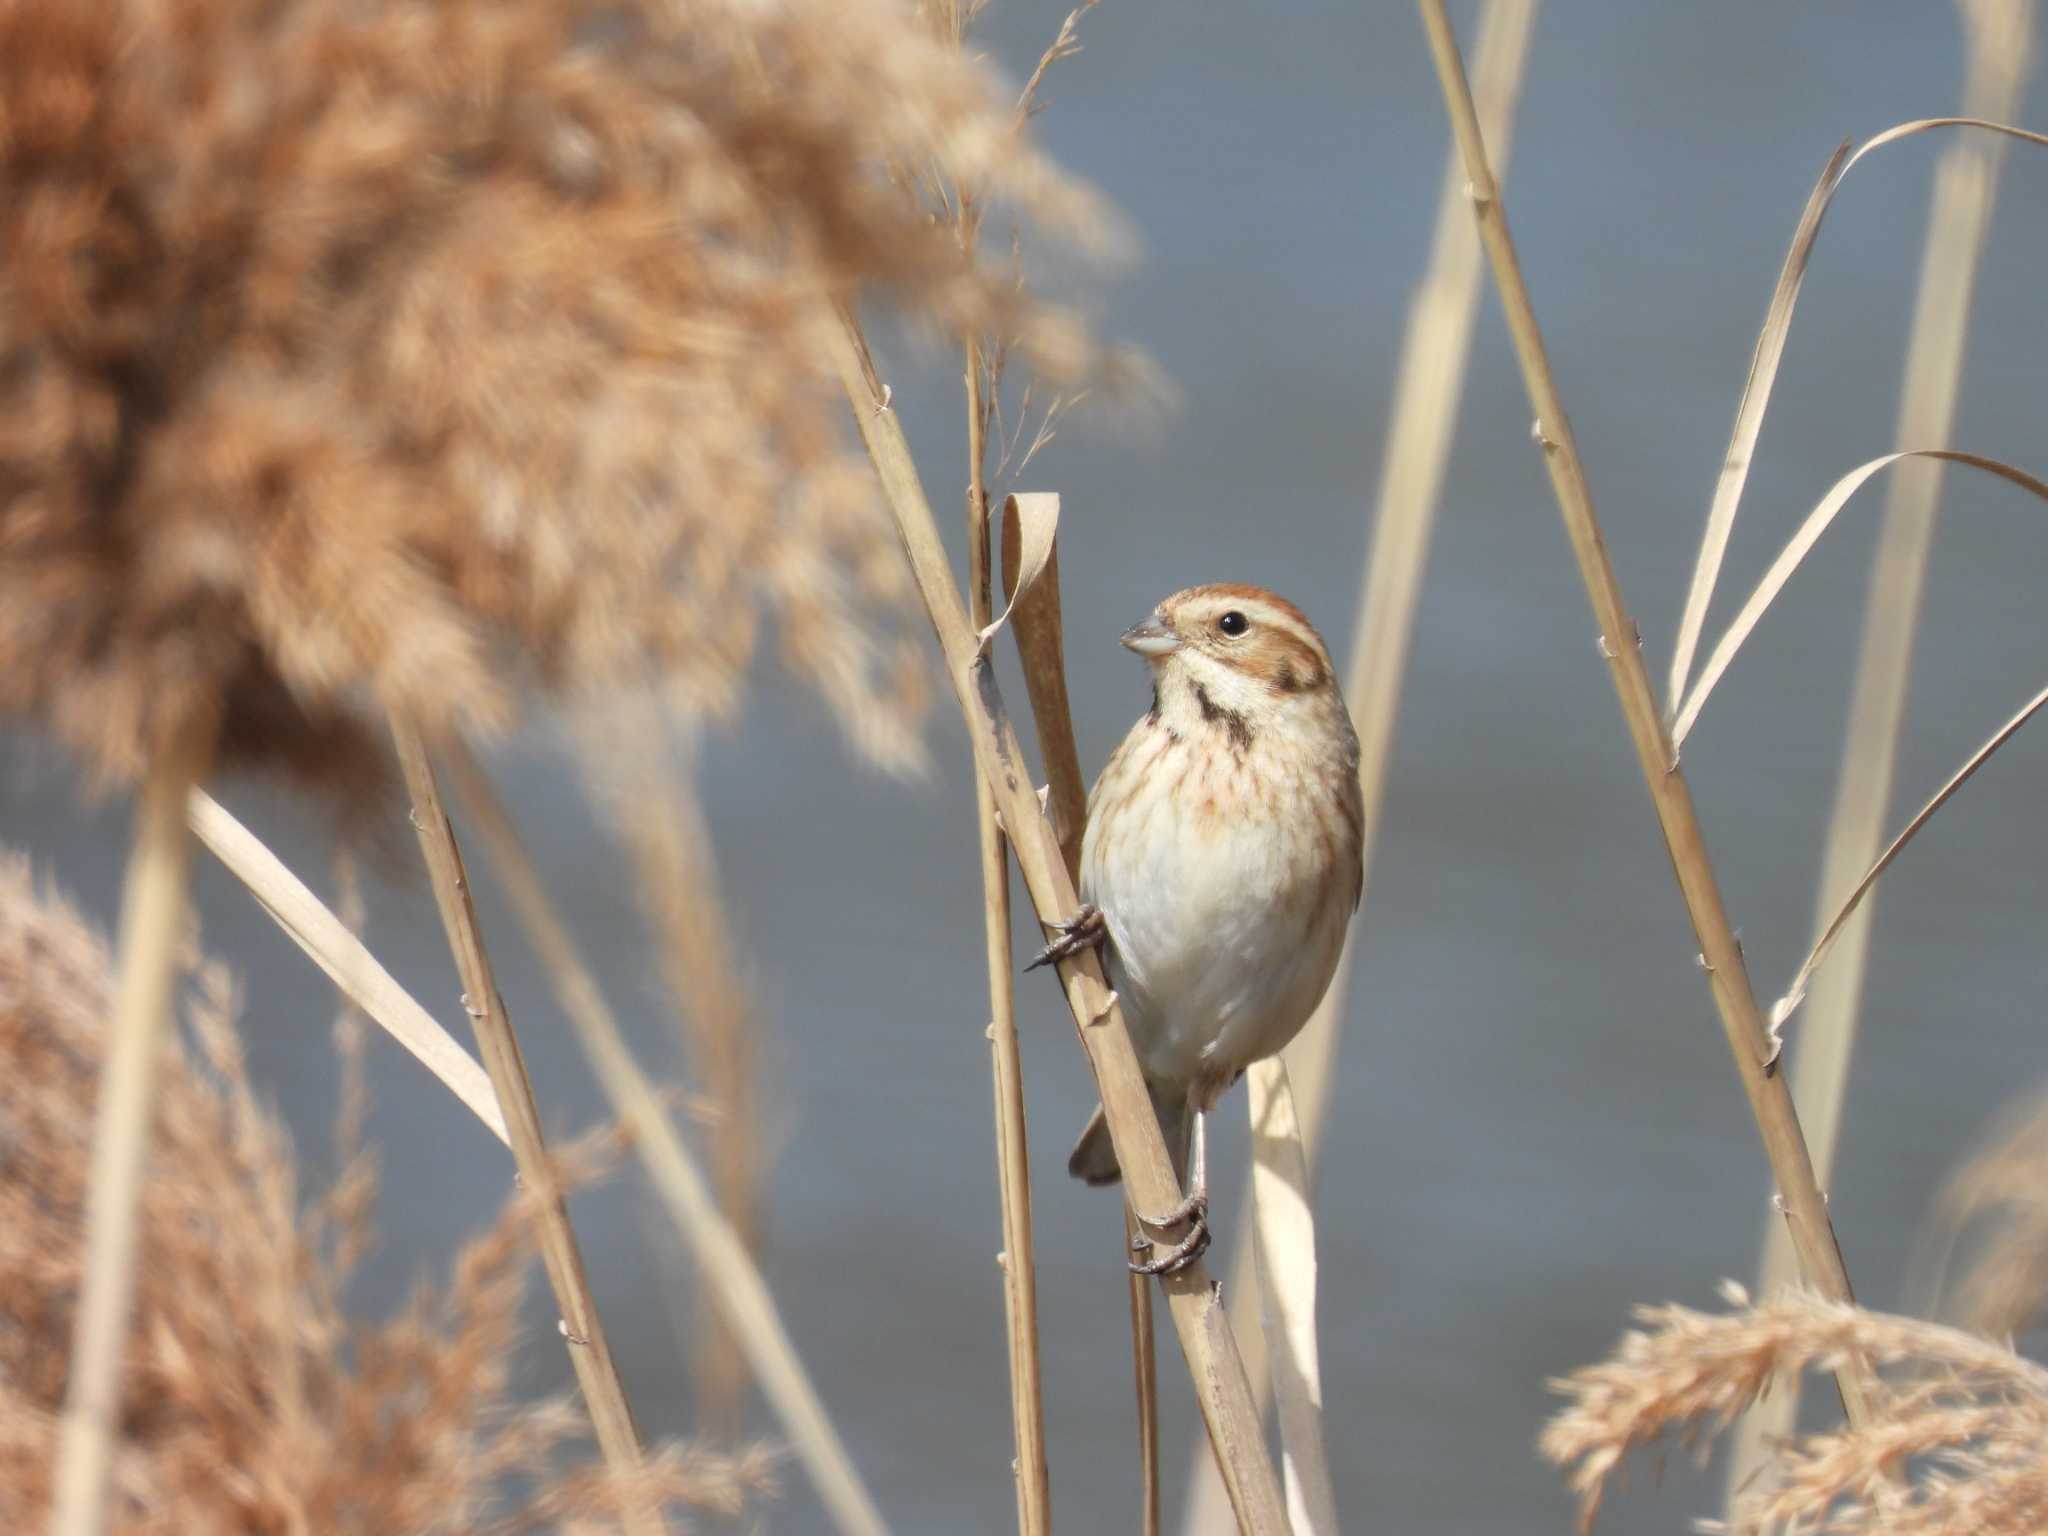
x=1805 y=1207
x=1959 y=218
x=1019 y=1259
x=677 y=1181
x=1436 y=350
x=152 y=914
x=1210 y=1348
x=596 y=1373
x=653 y=794
x=1041 y=648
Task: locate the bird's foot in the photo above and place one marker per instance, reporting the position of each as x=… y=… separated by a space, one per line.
x=1084 y=930
x=1194 y=1210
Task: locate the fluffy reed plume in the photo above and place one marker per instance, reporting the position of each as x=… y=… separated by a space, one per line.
x=404 y=353
x=277 y=1412
x=1961 y=1413
x=1969 y=1421
x=2003 y=1191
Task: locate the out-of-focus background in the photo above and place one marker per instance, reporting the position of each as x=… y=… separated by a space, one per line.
x=1536 y=1123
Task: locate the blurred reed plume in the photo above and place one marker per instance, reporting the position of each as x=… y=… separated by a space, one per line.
x=275 y=1413
x=1966 y=1416
x=1961 y=1412
x=401 y=353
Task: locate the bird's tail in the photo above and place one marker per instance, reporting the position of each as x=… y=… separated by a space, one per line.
x=1093 y=1160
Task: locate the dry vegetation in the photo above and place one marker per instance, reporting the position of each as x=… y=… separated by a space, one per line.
x=406 y=353
x=1961 y=1420
x=254 y=1401
x=372 y=365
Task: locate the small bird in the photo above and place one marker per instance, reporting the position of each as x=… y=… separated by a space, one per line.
x=1222 y=863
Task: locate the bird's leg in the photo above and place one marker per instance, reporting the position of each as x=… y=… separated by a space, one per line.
x=1193 y=1209
x=1084 y=930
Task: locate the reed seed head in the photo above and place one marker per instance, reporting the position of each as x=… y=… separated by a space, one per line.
x=409 y=354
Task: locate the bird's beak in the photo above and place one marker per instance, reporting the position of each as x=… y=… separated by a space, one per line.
x=1152 y=636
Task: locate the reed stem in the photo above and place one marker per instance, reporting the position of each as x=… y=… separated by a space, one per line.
x=603 y=1392
x=1211 y=1350
x=1805 y=1207
x=679 y=1184
x=1013 y=1160
x=152 y=918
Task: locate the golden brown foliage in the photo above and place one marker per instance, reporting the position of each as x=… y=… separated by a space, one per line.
x=403 y=353
x=253 y=1403
x=1963 y=1416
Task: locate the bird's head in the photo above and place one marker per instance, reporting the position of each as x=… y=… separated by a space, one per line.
x=1233 y=654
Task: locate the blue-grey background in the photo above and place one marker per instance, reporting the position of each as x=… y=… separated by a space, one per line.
x=1537 y=1123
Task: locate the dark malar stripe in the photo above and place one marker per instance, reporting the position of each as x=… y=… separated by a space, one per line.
x=1239 y=728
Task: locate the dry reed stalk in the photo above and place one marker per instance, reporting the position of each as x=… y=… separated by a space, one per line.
x=330 y=943
x=1998 y=33
x=721 y=1257
x=1018 y=1259
x=1205 y=1334
x=152 y=919
x=1749 y=1039
x=1436 y=349
x=1036 y=624
x=604 y=1394
x=651 y=795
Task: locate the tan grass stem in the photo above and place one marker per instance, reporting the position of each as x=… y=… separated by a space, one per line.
x=1959 y=218
x=153 y=898
x=1436 y=349
x=604 y=1394
x=1041 y=648
x=651 y=790
x=1019 y=1259
x=1211 y=1350
x=1749 y=1042
x=678 y=1183
x=1012 y=1152
x=330 y=944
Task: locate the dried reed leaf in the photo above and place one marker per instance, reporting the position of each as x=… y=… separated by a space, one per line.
x=1796 y=992
x=328 y=942
x=278 y=1413
x=1032 y=521
x=1763 y=376
x=1801 y=544
x=1284 y=1243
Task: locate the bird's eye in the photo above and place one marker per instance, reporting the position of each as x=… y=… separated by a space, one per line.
x=1233 y=624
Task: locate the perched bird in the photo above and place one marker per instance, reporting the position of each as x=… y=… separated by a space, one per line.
x=1221 y=865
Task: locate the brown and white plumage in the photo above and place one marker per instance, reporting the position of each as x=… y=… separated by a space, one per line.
x=1223 y=849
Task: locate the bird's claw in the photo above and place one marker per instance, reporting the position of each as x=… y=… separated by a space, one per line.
x=1194 y=1210
x=1084 y=930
